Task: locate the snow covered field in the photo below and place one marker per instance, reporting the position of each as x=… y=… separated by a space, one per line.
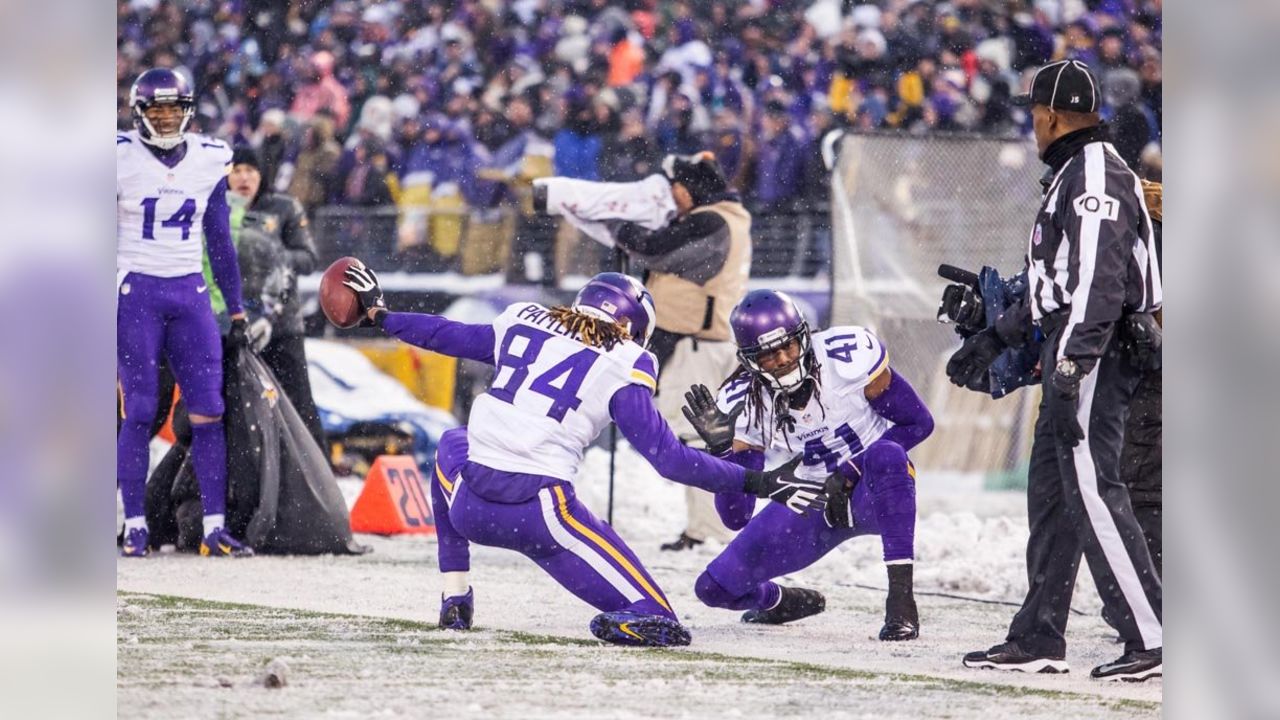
x=358 y=635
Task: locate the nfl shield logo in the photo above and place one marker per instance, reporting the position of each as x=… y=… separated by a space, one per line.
x=1036 y=237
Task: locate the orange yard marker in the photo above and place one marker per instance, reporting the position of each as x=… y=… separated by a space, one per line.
x=394 y=499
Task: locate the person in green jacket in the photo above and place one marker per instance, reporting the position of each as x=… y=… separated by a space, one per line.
x=274 y=243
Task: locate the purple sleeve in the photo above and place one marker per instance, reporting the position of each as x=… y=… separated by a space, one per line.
x=633 y=410
x=461 y=340
x=900 y=405
x=736 y=508
x=222 y=251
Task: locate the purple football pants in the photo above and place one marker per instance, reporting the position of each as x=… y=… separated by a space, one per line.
x=777 y=541
x=552 y=529
x=171 y=318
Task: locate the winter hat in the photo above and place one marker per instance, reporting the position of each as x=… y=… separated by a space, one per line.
x=245 y=155
x=700 y=174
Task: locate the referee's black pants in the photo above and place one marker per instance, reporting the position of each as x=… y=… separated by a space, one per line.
x=1077 y=503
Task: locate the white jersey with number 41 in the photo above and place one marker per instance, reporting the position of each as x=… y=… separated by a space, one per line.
x=160 y=209
x=838 y=423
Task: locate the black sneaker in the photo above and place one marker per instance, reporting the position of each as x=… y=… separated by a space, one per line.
x=793 y=604
x=684 y=542
x=1008 y=656
x=1133 y=666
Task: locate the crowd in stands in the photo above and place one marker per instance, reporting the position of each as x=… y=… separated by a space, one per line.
x=459 y=104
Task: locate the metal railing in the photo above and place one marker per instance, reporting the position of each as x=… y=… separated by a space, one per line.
x=787 y=242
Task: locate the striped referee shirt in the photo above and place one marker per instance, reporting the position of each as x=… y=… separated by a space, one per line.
x=1092 y=251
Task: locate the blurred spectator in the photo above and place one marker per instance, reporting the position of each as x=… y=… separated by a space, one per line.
x=676 y=131
x=321 y=91
x=577 y=145
x=315 y=172
x=626 y=59
x=630 y=154
x=781 y=160
x=366 y=184
x=733 y=149
x=1132 y=124
x=1152 y=85
x=270 y=143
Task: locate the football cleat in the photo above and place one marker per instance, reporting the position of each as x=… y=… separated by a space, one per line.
x=456 y=611
x=1133 y=666
x=1008 y=656
x=901 y=619
x=898 y=630
x=135 y=543
x=793 y=604
x=628 y=628
x=219 y=543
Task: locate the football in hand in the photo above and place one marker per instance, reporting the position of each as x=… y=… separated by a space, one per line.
x=339 y=302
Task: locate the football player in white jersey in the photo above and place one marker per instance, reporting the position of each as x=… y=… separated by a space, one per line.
x=832 y=398
x=506 y=480
x=171 y=189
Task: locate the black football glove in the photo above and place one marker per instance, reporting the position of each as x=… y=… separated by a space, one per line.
x=1062 y=402
x=713 y=426
x=967 y=366
x=364 y=282
x=238 y=335
x=1141 y=337
x=782 y=486
x=837 y=512
x=962 y=305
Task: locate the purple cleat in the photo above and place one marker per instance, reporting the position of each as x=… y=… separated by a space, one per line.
x=628 y=628
x=219 y=543
x=135 y=543
x=456 y=611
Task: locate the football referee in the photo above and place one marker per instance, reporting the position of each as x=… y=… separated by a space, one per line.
x=1091 y=262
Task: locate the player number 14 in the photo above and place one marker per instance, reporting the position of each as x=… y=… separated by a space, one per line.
x=183 y=219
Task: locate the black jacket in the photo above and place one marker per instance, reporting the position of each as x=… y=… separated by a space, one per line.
x=1091 y=257
x=281 y=216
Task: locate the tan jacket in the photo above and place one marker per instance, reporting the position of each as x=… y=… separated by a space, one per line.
x=686 y=307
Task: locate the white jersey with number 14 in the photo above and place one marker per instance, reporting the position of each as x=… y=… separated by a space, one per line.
x=160 y=209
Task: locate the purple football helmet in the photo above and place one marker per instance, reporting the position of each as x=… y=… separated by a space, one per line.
x=161 y=86
x=622 y=299
x=766 y=320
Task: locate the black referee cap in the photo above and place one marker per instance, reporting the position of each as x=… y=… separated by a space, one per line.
x=1064 y=85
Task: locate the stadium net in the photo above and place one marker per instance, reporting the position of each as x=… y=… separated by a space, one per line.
x=902 y=205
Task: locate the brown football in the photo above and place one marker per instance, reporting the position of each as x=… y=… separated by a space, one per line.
x=339 y=302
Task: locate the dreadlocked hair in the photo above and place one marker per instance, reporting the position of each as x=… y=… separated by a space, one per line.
x=758 y=391
x=589 y=329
